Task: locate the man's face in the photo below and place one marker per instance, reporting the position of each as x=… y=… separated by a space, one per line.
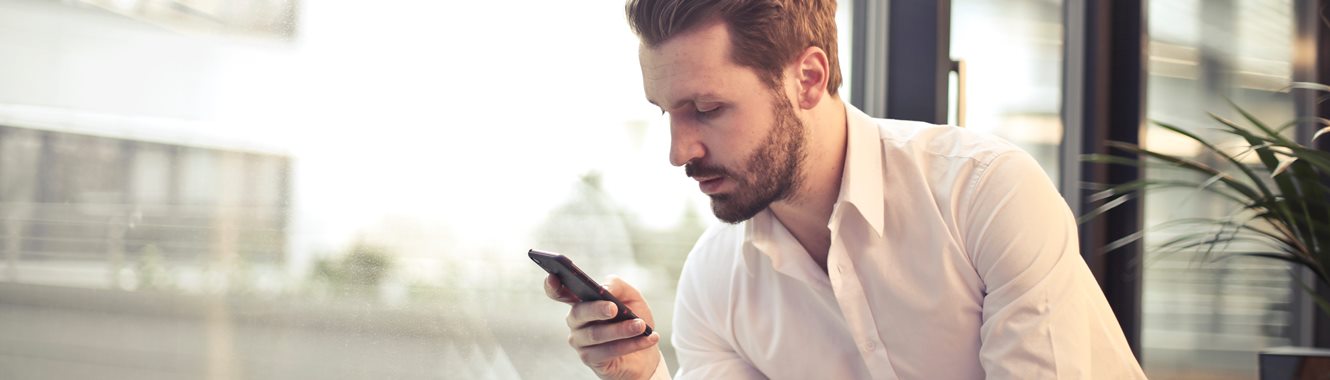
x=740 y=139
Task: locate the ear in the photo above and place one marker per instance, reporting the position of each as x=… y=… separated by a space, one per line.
x=811 y=71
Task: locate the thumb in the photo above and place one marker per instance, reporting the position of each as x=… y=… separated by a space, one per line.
x=630 y=297
x=622 y=289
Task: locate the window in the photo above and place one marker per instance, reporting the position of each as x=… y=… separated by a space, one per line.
x=1012 y=54
x=351 y=200
x=1206 y=319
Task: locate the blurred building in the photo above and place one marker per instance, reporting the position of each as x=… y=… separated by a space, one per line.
x=105 y=211
x=109 y=175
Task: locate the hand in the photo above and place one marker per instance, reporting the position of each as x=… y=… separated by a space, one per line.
x=613 y=350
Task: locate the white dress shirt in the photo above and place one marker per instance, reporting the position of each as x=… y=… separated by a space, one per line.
x=952 y=257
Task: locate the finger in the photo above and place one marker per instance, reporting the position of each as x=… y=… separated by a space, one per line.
x=631 y=298
x=556 y=291
x=583 y=313
x=599 y=355
x=595 y=334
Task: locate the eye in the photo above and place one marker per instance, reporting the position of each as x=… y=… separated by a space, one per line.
x=708 y=112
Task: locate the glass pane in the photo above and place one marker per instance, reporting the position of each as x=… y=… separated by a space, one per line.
x=322 y=189
x=1012 y=54
x=1205 y=318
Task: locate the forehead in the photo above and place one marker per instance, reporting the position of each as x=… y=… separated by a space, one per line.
x=690 y=64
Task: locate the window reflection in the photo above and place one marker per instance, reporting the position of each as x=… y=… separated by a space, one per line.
x=1202 y=318
x=1012 y=51
x=353 y=201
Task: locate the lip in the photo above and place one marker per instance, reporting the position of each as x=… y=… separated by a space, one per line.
x=710 y=185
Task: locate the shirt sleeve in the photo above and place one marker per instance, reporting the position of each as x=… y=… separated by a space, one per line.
x=1044 y=315
x=662 y=370
x=702 y=351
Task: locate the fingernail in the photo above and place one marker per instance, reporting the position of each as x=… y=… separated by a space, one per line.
x=638 y=325
x=607 y=310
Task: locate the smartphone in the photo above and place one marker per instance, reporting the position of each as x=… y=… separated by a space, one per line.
x=579 y=283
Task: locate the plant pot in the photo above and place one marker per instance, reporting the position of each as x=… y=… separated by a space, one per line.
x=1295 y=363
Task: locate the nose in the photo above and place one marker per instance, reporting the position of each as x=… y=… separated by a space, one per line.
x=685 y=143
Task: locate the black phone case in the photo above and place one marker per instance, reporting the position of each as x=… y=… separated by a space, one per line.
x=579 y=283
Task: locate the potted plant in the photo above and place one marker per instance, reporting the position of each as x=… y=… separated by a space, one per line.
x=1276 y=187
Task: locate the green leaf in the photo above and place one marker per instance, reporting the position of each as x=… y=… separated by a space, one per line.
x=1320 y=133
x=1257 y=122
x=1282 y=167
x=1281 y=205
x=1193 y=165
x=1124 y=241
x=1267 y=155
x=1303 y=120
x=1115 y=202
x=1306 y=86
x=1106 y=191
x=1212 y=148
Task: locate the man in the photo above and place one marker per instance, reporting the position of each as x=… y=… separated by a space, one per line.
x=856 y=247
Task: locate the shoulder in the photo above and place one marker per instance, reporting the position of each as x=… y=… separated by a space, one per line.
x=715 y=254
x=951 y=164
x=942 y=142
x=708 y=271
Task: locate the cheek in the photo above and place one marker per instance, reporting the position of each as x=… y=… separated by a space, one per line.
x=752 y=130
x=732 y=141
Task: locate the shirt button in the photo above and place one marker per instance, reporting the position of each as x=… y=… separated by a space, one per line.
x=871 y=345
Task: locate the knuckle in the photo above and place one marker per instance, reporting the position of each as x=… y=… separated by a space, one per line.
x=586 y=356
x=577 y=314
x=631 y=346
x=578 y=310
x=597 y=334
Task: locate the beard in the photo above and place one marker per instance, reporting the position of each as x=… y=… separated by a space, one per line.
x=771 y=172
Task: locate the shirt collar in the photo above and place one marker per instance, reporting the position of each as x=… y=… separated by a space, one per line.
x=861 y=189
x=861 y=182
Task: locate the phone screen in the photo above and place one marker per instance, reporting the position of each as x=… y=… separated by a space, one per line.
x=579 y=283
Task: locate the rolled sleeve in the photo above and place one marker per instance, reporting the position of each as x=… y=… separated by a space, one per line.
x=662 y=370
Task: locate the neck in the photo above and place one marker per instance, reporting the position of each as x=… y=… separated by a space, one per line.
x=807 y=212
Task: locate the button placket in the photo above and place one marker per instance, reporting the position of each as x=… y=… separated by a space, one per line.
x=854 y=307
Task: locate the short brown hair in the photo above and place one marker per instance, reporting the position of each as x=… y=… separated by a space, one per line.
x=765 y=34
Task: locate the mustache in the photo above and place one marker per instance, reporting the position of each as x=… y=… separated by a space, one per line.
x=702 y=170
